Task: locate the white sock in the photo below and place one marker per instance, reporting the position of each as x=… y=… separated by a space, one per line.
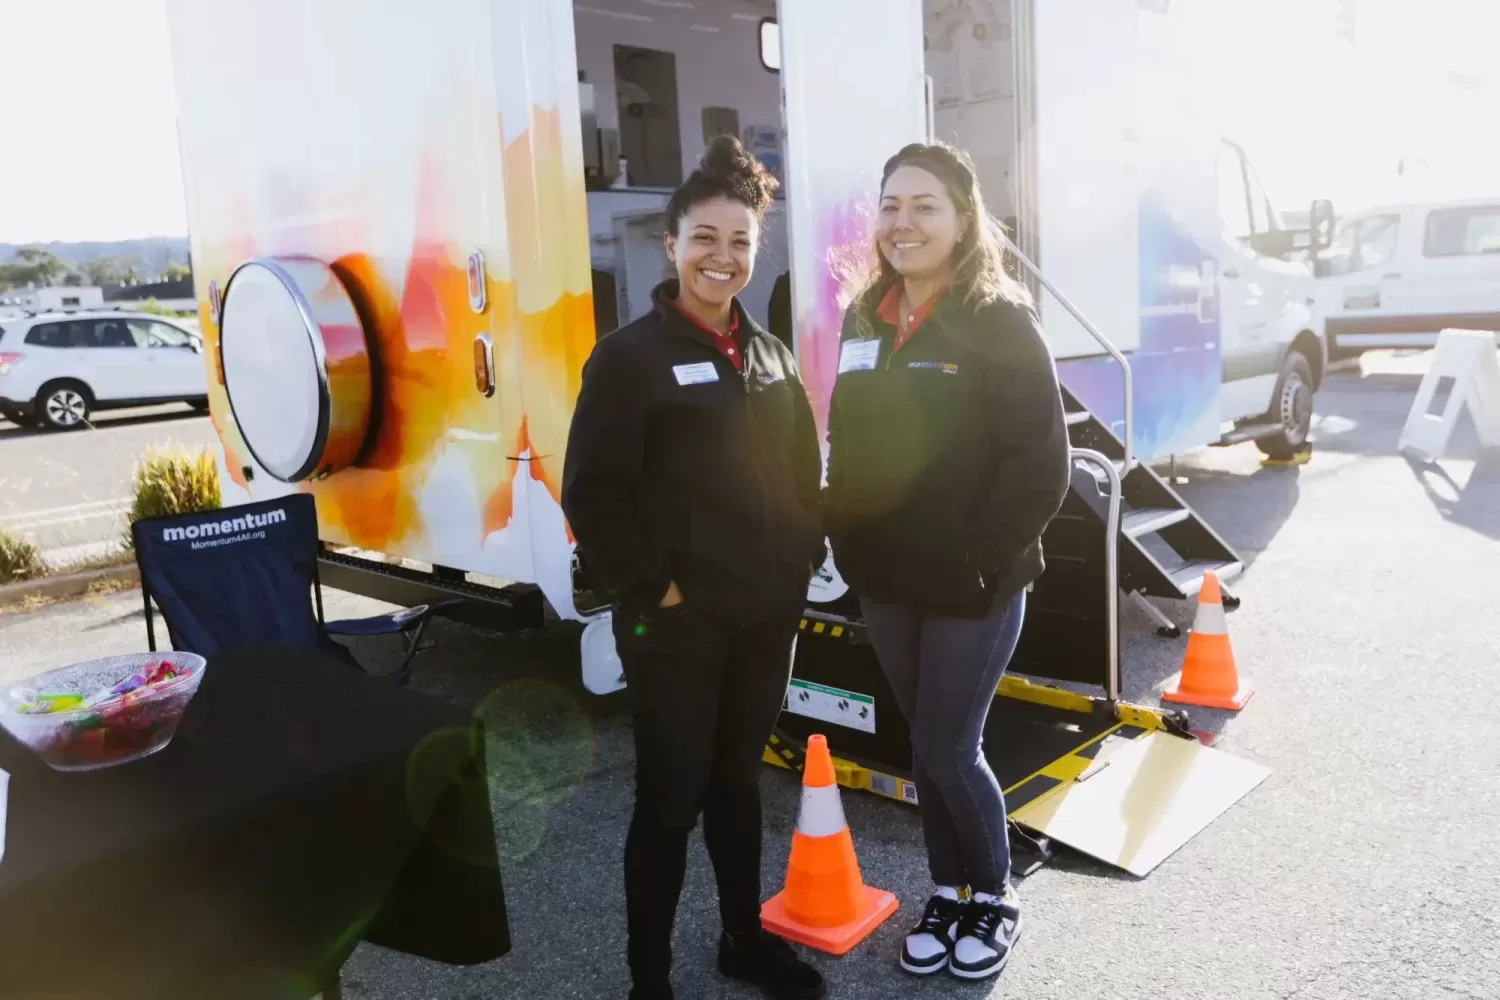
x=948 y=892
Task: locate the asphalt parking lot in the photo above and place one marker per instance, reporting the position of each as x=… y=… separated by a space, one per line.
x=1367 y=865
x=70 y=490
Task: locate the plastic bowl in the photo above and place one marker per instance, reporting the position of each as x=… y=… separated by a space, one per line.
x=117 y=731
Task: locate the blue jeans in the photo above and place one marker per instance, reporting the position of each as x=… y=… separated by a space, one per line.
x=943 y=672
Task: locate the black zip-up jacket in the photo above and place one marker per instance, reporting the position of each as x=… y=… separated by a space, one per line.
x=947 y=459
x=679 y=467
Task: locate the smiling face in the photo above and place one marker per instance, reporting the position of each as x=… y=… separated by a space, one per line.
x=919 y=224
x=714 y=250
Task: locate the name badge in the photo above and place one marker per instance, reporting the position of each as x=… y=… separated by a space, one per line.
x=858 y=355
x=703 y=371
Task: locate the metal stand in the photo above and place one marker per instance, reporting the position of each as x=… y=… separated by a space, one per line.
x=1165 y=627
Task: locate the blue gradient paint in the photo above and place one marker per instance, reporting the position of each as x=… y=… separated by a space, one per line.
x=1177 y=368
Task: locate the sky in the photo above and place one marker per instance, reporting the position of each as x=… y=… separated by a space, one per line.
x=88 y=139
x=96 y=78
x=1323 y=120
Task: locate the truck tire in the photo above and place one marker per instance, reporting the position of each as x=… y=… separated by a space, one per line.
x=1292 y=409
x=64 y=405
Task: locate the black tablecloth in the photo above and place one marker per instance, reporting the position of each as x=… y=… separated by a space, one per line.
x=301 y=808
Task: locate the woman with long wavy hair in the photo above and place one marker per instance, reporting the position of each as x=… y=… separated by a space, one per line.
x=948 y=456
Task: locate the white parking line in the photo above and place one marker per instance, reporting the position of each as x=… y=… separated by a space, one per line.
x=31 y=519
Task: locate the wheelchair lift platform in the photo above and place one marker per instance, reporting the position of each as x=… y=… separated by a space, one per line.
x=1124 y=784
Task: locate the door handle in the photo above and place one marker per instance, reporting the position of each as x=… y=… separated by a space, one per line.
x=1230 y=272
x=484 y=365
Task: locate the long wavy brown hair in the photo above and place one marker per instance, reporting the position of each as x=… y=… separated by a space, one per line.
x=979 y=275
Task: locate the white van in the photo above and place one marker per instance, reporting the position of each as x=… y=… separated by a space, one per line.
x=1397 y=275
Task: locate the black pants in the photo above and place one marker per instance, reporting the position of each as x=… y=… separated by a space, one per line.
x=704 y=698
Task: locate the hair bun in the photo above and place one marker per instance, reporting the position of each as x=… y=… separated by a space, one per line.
x=727 y=160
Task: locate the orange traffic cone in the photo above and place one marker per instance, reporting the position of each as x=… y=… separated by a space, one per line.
x=1209 y=677
x=825 y=904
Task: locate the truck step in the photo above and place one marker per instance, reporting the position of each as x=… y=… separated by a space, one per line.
x=1147 y=520
x=1164 y=547
x=1242 y=434
x=1189 y=576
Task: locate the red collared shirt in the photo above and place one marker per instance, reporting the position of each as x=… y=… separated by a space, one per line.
x=889 y=311
x=727 y=343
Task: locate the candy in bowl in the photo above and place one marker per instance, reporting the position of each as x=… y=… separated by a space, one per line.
x=102 y=713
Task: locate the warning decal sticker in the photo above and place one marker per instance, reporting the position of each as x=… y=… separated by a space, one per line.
x=831 y=704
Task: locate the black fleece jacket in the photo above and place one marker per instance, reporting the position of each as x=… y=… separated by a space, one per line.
x=679 y=467
x=947 y=459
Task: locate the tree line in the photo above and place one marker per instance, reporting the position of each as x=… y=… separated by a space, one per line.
x=34 y=266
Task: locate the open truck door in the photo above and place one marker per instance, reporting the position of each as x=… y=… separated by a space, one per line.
x=844 y=117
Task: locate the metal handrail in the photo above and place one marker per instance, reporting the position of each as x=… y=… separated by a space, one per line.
x=1111 y=564
x=1093 y=331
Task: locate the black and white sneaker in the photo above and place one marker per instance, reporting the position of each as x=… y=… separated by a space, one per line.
x=986 y=935
x=929 y=943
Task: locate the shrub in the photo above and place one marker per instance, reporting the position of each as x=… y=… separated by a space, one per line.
x=154 y=307
x=173 y=481
x=19 y=559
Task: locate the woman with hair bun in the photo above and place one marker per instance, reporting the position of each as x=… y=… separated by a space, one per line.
x=691 y=483
x=948 y=456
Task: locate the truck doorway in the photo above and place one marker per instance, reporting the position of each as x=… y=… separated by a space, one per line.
x=971 y=58
x=656 y=83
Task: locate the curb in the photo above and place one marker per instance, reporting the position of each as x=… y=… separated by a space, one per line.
x=67 y=585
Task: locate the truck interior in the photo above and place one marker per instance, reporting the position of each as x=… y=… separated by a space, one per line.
x=657 y=81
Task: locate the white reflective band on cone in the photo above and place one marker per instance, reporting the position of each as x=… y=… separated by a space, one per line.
x=822 y=813
x=1210 y=619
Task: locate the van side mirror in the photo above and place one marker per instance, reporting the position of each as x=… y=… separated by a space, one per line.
x=1320 y=223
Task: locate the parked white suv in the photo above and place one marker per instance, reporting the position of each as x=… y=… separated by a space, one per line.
x=59 y=368
x=1398 y=275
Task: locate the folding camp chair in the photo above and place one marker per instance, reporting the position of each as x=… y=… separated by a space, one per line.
x=243 y=576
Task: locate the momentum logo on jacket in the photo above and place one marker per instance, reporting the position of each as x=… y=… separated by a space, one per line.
x=947 y=367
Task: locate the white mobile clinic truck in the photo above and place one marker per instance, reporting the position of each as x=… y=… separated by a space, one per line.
x=410 y=223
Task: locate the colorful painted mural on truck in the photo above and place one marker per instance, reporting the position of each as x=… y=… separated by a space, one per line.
x=394 y=183
x=1176 y=370
x=843 y=245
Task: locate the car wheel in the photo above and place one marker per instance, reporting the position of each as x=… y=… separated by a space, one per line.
x=1292 y=409
x=63 y=405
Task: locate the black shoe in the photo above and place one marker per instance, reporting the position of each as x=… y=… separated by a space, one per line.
x=929 y=944
x=986 y=936
x=652 y=991
x=769 y=962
